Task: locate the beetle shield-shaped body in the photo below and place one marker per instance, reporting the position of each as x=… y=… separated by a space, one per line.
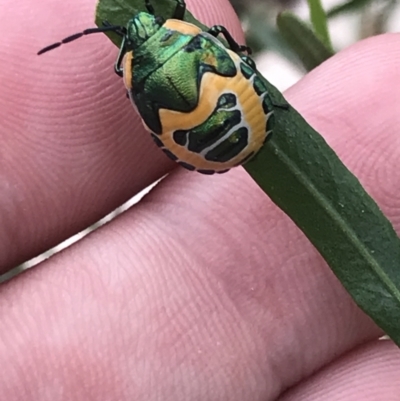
x=204 y=104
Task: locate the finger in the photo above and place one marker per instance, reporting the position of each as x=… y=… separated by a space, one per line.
x=369 y=373
x=72 y=148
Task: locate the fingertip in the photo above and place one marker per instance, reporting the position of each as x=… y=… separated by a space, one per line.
x=343 y=81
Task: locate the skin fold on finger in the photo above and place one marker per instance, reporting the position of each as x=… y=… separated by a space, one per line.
x=172 y=294
x=204 y=290
x=169 y=301
x=369 y=373
x=72 y=147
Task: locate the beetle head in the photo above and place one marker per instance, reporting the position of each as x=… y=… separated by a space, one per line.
x=140 y=28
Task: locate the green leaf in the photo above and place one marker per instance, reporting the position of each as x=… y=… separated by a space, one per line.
x=119 y=12
x=347 y=7
x=305 y=178
x=310 y=49
x=319 y=22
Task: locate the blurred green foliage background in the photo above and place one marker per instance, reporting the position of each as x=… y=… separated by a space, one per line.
x=364 y=18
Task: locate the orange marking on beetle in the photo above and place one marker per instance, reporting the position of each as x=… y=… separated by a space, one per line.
x=211 y=88
x=183 y=27
x=128 y=70
x=210 y=59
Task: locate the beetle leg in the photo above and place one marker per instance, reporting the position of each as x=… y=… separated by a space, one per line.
x=107 y=27
x=117 y=66
x=149 y=7
x=180 y=9
x=233 y=45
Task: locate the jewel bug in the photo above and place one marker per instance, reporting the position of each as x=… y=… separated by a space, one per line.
x=203 y=102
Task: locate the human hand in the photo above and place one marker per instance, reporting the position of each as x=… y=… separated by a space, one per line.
x=205 y=290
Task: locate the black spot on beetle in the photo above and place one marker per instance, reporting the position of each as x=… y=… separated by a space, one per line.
x=187 y=166
x=227 y=100
x=157 y=141
x=208 y=172
x=246 y=70
x=194 y=44
x=180 y=137
x=265 y=105
x=230 y=147
x=167 y=35
x=259 y=86
x=170 y=154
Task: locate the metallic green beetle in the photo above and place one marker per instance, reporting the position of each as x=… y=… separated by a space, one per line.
x=204 y=103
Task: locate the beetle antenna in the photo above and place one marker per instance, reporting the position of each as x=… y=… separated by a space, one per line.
x=119 y=30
